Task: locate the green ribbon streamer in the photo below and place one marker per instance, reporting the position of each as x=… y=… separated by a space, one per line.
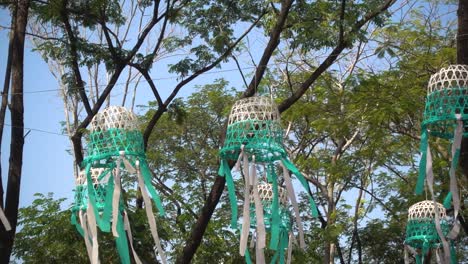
x=275 y=217
x=145 y=172
x=122 y=242
x=422 y=163
x=247 y=257
x=283 y=245
x=75 y=223
x=275 y=257
x=304 y=183
x=453 y=254
x=225 y=171
x=448 y=200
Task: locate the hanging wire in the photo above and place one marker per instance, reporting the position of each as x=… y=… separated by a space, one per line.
x=124 y=83
x=38 y=130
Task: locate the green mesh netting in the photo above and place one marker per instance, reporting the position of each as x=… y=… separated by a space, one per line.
x=109 y=143
x=262 y=138
x=441 y=108
x=422 y=232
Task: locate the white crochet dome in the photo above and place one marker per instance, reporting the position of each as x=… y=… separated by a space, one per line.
x=453 y=76
x=114 y=117
x=254 y=108
x=426 y=209
x=265 y=191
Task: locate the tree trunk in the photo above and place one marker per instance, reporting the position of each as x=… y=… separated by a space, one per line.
x=17 y=130
x=6 y=89
x=462 y=58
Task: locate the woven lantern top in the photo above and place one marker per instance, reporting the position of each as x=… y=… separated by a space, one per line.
x=112 y=130
x=265 y=191
x=254 y=108
x=447 y=97
x=255 y=124
x=454 y=76
x=114 y=117
x=426 y=210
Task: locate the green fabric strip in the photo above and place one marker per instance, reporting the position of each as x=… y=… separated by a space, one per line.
x=422 y=163
x=76 y=224
x=247 y=257
x=145 y=172
x=122 y=242
x=275 y=215
x=283 y=245
x=453 y=253
x=418 y=259
x=107 y=214
x=225 y=171
x=448 y=201
x=275 y=257
x=304 y=183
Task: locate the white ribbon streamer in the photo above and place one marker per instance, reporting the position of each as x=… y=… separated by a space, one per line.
x=458 y=134
x=246 y=209
x=292 y=198
x=430 y=183
x=84 y=225
x=149 y=213
x=261 y=233
x=116 y=197
x=130 y=237
x=290 y=246
x=93 y=230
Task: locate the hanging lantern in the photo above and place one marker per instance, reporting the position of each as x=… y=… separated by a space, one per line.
x=254 y=140
x=445 y=116
x=284 y=223
x=115 y=149
x=426 y=230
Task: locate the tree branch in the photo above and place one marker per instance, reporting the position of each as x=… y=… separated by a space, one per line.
x=342 y=44
x=74 y=54
x=161 y=110
x=273 y=43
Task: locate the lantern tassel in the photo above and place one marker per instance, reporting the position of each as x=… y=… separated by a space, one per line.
x=224 y=171
x=300 y=177
x=246 y=208
x=91 y=219
x=130 y=237
x=261 y=233
x=149 y=214
x=292 y=198
x=84 y=227
x=456 y=145
x=423 y=162
x=116 y=198
x=430 y=183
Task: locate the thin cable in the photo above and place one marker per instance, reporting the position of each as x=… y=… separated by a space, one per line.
x=124 y=83
x=38 y=130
